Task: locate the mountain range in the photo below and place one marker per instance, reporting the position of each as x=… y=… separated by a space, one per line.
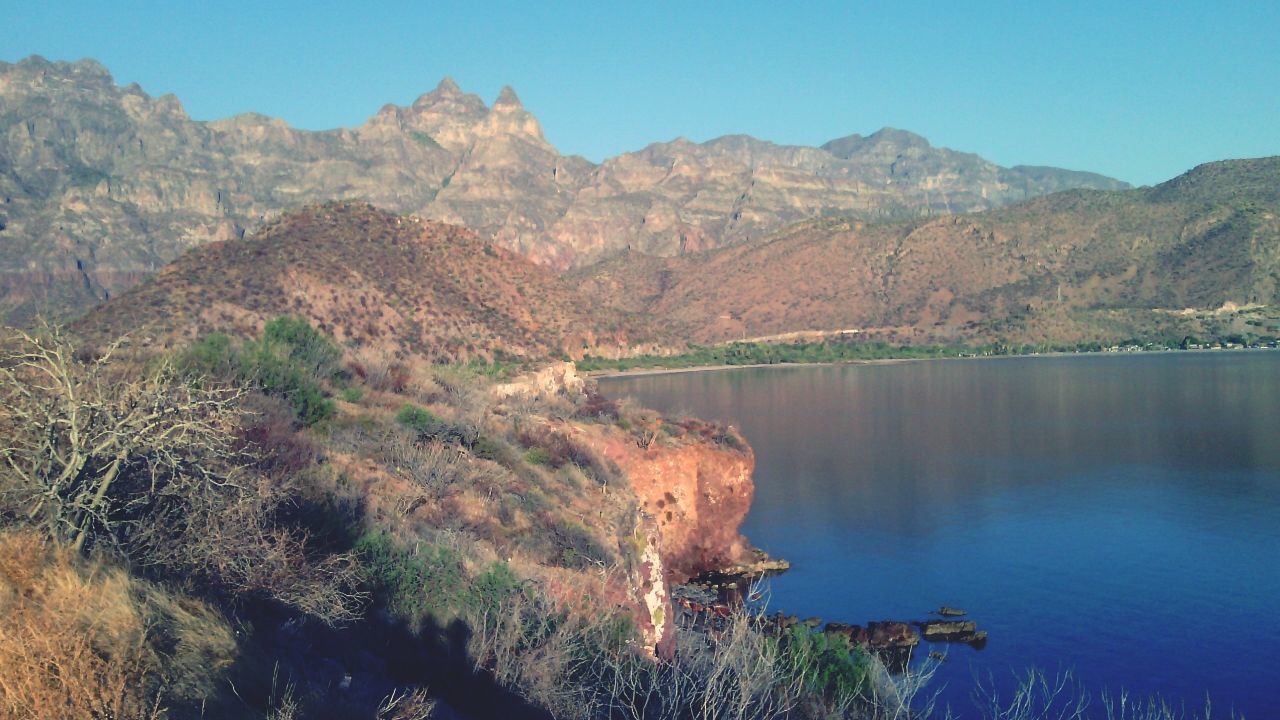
x=1072 y=266
x=101 y=185
x=1198 y=255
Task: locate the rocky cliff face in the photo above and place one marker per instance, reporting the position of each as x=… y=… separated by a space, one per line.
x=693 y=496
x=697 y=491
x=100 y=184
x=688 y=489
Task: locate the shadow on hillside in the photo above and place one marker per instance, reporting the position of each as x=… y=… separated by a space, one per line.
x=345 y=673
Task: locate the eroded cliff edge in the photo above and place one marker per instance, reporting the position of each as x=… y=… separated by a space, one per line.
x=688 y=484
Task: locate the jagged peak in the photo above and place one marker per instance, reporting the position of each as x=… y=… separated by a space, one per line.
x=508 y=99
x=447 y=89
x=83 y=67
x=34 y=61
x=447 y=86
x=89 y=66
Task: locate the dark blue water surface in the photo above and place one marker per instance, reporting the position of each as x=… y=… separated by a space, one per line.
x=1118 y=515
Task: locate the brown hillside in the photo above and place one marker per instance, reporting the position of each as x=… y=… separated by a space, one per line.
x=369 y=278
x=1073 y=265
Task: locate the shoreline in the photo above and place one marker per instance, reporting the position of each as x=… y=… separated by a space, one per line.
x=640 y=372
x=606 y=374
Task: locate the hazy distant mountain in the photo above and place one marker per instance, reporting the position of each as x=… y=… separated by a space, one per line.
x=101 y=185
x=1075 y=265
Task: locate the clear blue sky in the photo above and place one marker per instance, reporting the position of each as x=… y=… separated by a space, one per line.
x=1138 y=90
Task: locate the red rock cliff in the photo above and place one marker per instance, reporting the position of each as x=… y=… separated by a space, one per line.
x=698 y=489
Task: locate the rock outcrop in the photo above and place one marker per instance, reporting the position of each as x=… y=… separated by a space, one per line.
x=653 y=592
x=698 y=492
x=686 y=486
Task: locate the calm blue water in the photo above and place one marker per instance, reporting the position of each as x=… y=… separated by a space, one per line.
x=1118 y=515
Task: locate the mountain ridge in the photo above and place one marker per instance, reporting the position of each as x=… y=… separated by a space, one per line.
x=1077 y=265
x=103 y=184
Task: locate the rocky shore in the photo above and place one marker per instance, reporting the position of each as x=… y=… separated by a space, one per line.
x=706 y=602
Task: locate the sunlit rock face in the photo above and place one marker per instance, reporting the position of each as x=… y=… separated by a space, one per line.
x=698 y=492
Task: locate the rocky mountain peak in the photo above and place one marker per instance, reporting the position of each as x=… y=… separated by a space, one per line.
x=902 y=138
x=507 y=100
x=509 y=117
x=448 y=87
x=446 y=94
x=87 y=73
x=33 y=62
x=91 y=67
x=850 y=145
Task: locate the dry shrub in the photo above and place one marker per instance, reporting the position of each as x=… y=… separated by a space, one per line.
x=561 y=449
x=596 y=406
x=715 y=432
x=406 y=705
x=382 y=372
x=578 y=662
x=434 y=468
x=270 y=440
x=464 y=391
x=92 y=441
x=371 y=366
x=78 y=638
x=106 y=453
x=236 y=547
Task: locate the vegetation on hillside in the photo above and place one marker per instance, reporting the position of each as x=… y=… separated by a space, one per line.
x=68 y=133
x=185 y=535
x=842 y=350
x=370 y=279
x=1074 y=266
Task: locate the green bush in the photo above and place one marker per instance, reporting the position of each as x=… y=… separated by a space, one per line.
x=428 y=583
x=831 y=667
x=352 y=394
x=211 y=355
x=309 y=349
x=420 y=419
x=538 y=456
x=492 y=588
x=271 y=368
x=488 y=448
x=290 y=360
x=577 y=547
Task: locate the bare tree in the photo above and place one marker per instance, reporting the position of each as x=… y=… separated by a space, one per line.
x=136 y=455
x=88 y=443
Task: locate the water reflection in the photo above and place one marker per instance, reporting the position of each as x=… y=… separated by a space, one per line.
x=1087 y=510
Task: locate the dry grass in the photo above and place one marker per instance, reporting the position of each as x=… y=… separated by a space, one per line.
x=72 y=639
x=406 y=705
x=1061 y=696
x=78 y=638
